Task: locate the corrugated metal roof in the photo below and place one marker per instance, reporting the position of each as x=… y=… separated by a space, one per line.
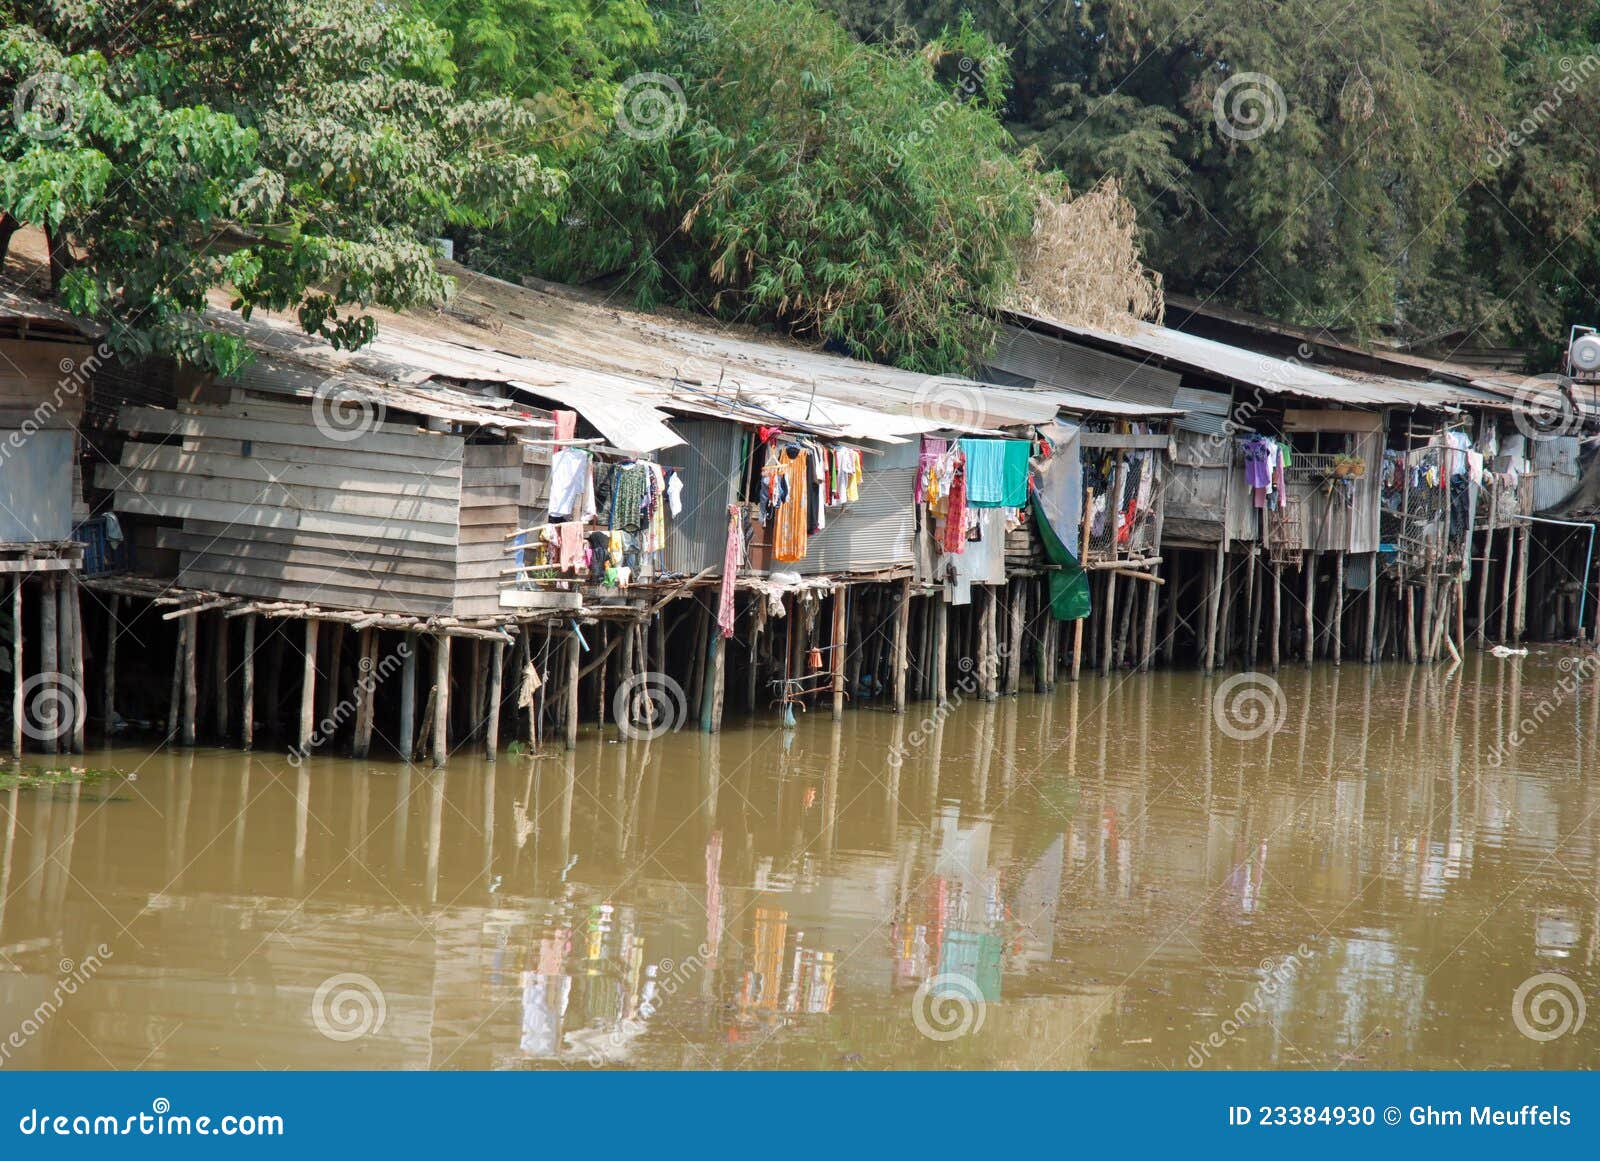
x=1121 y=383
x=627 y=373
x=1278 y=376
x=291 y=362
x=728 y=363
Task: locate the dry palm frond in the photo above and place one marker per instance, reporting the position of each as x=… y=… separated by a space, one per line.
x=1082 y=265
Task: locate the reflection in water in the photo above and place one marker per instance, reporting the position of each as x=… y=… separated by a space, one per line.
x=1099 y=878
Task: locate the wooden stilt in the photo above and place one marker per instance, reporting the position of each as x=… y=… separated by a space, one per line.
x=247 y=696
x=365 y=690
x=1369 y=649
x=191 y=692
x=308 y=689
x=1430 y=609
x=408 y=697
x=897 y=659
x=497 y=668
x=1172 y=590
x=571 y=723
x=986 y=659
x=440 y=731
x=108 y=689
x=1310 y=570
x=1507 y=571
x=1083 y=558
x=1252 y=604
x=1108 y=629
x=1481 y=629
x=50 y=663
x=75 y=671
x=1519 y=614
x=716 y=663
x=1214 y=603
x=16 y=669
x=1014 y=644
x=1277 y=615
x=1336 y=609
x=630 y=639
x=836 y=655
x=1408 y=594
x=1225 y=631
x=941 y=647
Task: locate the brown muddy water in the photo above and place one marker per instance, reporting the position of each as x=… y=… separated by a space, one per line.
x=1372 y=885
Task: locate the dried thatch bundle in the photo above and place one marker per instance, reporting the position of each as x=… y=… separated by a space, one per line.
x=1082 y=263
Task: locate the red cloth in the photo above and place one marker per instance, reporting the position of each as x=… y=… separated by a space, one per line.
x=566 y=424
x=570 y=546
x=730 y=569
x=766 y=433
x=955 y=519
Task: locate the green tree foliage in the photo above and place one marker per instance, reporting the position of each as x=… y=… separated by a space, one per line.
x=559 y=56
x=298 y=152
x=767 y=167
x=1380 y=194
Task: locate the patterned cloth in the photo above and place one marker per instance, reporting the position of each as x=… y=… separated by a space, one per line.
x=730 y=569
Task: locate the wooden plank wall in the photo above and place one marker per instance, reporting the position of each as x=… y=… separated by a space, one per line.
x=492 y=490
x=42 y=389
x=271 y=506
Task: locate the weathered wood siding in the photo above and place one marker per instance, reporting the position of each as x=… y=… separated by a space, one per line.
x=492 y=483
x=41 y=404
x=270 y=505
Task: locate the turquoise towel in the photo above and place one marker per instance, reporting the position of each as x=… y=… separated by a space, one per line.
x=997 y=472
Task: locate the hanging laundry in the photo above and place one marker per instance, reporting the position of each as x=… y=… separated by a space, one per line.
x=793 y=523
x=571 y=485
x=847 y=474
x=566 y=425
x=1257 y=474
x=675 y=493
x=730 y=570
x=570 y=537
x=997 y=472
x=932 y=448
x=955 y=517
x=604 y=474
x=628 y=496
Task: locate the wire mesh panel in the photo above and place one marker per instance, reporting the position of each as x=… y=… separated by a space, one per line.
x=1124 y=518
x=1286 y=537
x=1428 y=508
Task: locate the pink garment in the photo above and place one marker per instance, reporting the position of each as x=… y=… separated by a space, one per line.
x=569 y=536
x=932 y=448
x=730 y=570
x=566 y=424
